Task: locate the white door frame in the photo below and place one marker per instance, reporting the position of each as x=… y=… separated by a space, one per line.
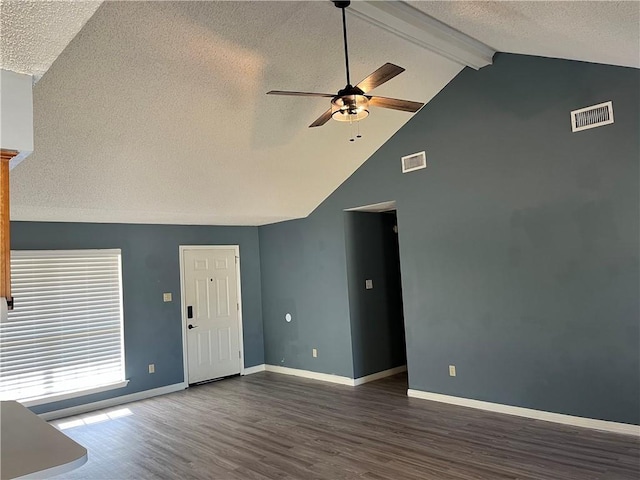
x=183 y=307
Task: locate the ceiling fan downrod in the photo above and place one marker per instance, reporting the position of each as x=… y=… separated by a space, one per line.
x=343 y=6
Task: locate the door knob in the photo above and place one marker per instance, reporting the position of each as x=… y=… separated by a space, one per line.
x=191 y=326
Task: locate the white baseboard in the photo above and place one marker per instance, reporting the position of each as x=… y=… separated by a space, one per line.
x=378 y=375
x=255 y=369
x=325 y=377
x=111 y=402
x=613 y=427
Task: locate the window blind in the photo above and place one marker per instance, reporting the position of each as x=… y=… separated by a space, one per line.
x=65 y=333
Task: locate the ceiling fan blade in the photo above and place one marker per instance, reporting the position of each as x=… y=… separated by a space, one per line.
x=301 y=94
x=395 y=104
x=322 y=119
x=380 y=76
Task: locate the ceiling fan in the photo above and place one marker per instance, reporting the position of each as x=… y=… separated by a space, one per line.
x=351 y=104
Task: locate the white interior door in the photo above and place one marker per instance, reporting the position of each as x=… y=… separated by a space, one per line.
x=211 y=303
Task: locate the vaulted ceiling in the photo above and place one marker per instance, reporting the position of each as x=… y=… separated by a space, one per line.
x=156 y=112
x=599 y=32
x=34 y=33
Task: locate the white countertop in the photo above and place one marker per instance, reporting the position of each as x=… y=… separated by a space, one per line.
x=31 y=448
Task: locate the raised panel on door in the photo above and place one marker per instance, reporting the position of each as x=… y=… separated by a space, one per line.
x=204 y=348
x=222 y=297
x=224 y=344
x=202 y=301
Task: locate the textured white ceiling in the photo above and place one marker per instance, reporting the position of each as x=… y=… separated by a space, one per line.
x=156 y=111
x=33 y=33
x=600 y=32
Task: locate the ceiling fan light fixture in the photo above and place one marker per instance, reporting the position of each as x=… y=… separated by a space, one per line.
x=350 y=108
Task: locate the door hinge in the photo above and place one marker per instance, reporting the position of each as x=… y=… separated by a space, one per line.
x=239 y=354
x=236 y=260
x=238 y=306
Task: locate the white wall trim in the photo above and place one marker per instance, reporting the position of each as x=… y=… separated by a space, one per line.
x=254 y=369
x=613 y=427
x=375 y=207
x=111 y=402
x=415 y=26
x=378 y=375
x=185 y=358
x=325 y=377
x=75 y=394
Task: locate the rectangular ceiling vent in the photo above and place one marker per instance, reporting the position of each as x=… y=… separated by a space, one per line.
x=413 y=162
x=591 y=117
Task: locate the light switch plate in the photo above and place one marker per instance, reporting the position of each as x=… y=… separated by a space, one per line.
x=368 y=284
x=167 y=297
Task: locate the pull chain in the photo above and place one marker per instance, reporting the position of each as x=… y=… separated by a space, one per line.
x=358 y=135
x=352 y=139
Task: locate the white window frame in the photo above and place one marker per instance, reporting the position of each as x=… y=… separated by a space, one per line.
x=83 y=391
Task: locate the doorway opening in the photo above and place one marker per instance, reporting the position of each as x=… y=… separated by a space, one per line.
x=375 y=290
x=211 y=312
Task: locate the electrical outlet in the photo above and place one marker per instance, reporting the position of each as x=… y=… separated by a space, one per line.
x=368 y=284
x=314 y=352
x=152 y=368
x=166 y=297
x=452 y=370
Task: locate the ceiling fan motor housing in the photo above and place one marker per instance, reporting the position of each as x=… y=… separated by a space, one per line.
x=349 y=108
x=340 y=4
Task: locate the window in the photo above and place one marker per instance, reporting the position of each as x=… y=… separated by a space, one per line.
x=64 y=337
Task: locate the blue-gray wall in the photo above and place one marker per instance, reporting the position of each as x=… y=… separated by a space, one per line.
x=518 y=245
x=306 y=277
x=377 y=326
x=150 y=267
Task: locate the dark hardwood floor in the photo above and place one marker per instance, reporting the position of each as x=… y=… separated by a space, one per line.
x=271 y=426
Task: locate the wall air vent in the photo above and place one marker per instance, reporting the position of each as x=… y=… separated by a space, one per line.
x=413 y=162
x=591 y=117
